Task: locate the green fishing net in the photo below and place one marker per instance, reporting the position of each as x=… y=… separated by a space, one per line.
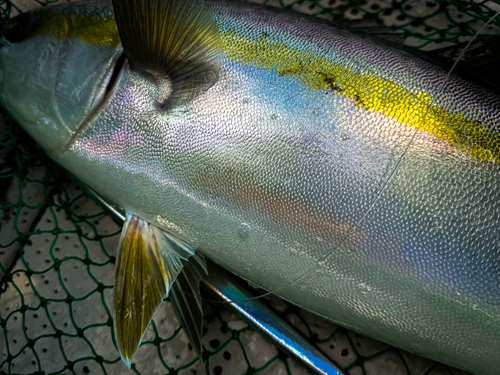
x=425 y=25
x=57 y=250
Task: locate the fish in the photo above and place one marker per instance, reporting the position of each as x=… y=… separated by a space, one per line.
x=346 y=174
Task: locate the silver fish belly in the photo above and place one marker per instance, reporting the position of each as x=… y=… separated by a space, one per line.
x=367 y=206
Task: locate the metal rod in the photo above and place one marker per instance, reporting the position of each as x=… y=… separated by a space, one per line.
x=260 y=317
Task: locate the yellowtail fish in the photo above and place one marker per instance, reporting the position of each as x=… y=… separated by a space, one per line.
x=315 y=162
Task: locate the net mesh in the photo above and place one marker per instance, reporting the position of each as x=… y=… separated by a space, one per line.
x=425 y=25
x=57 y=251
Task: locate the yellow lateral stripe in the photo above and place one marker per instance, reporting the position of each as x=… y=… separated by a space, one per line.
x=96 y=31
x=370 y=92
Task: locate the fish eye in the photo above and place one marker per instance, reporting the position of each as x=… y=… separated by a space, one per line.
x=14 y=32
x=17 y=28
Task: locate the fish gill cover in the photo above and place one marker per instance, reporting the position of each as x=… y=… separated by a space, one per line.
x=57 y=249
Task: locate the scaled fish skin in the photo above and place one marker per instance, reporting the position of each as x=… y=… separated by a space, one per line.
x=273 y=161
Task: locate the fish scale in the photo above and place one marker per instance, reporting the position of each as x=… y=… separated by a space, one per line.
x=295 y=142
x=399 y=258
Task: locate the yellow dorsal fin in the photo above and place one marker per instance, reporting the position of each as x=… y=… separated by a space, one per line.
x=174 y=42
x=149 y=261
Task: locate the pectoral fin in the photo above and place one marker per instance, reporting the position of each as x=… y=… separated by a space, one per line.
x=174 y=42
x=149 y=261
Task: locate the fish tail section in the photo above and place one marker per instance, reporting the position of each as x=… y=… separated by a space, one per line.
x=149 y=261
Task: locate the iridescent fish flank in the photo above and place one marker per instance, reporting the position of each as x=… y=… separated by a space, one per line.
x=316 y=162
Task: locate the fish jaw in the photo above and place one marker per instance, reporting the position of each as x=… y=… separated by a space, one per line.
x=54 y=100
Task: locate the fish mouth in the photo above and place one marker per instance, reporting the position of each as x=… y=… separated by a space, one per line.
x=111 y=85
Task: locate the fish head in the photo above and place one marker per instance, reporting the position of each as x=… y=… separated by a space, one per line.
x=55 y=66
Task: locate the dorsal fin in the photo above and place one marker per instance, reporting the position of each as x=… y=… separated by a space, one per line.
x=174 y=42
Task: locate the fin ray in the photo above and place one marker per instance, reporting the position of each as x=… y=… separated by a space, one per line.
x=149 y=261
x=175 y=42
x=186 y=299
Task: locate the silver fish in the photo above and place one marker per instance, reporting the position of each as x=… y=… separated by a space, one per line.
x=320 y=164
